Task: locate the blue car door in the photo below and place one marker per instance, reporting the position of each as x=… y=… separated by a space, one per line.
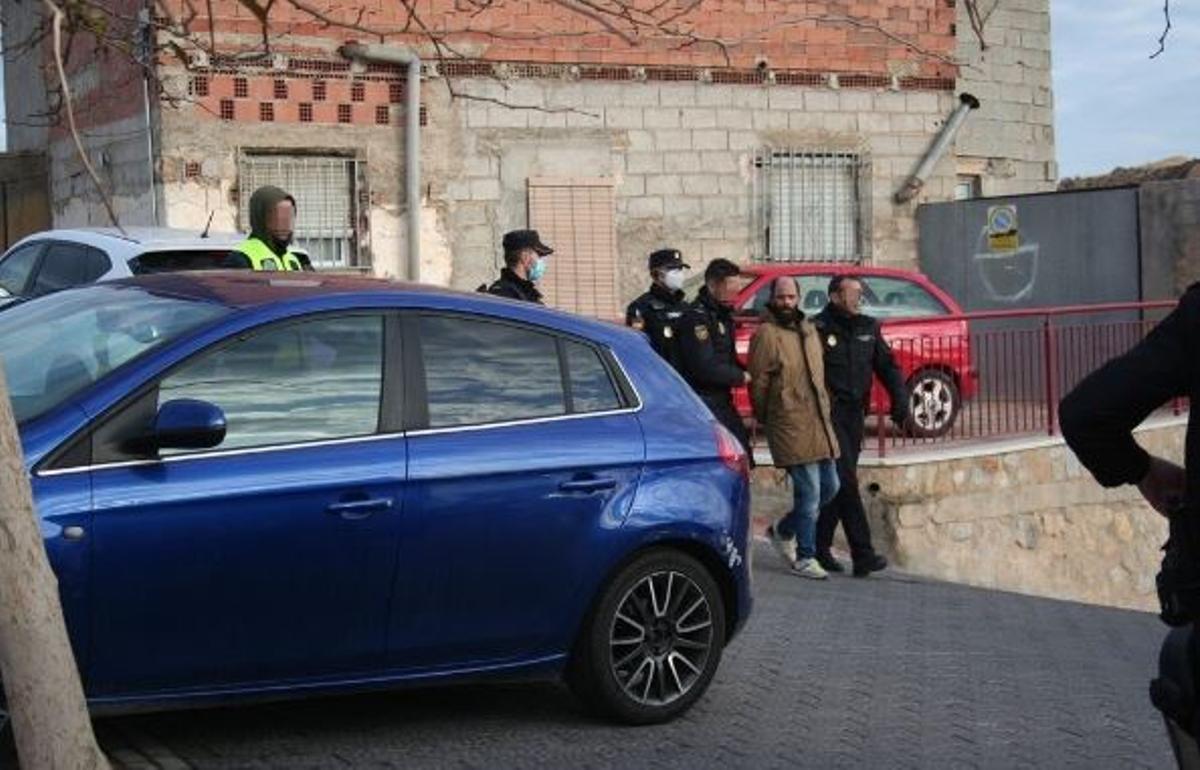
x=268 y=557
x=64 y=512
x=528 y=455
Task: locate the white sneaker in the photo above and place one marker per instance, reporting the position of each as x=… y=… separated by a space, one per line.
x=785 y=547
x=810 y=568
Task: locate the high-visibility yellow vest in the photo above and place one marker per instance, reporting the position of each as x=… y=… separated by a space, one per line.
x=262 y=258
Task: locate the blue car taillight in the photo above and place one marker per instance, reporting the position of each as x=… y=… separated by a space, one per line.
x=731 y=452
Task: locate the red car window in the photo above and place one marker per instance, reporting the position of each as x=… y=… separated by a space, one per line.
x=898 y=298
x=813 y=294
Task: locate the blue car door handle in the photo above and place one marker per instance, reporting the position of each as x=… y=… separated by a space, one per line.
x=589 y=484
x=352 y=510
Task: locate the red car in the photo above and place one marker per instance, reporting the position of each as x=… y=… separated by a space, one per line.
x=935 y=357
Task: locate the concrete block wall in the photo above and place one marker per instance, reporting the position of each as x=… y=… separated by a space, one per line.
x=1009 y=140
x=211 y=148
x=121 y=157
x=681 y=157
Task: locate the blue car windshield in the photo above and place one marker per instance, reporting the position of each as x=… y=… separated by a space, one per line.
x=55 y=346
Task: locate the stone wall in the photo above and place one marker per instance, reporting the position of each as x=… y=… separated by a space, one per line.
x=1009 y=141
x=1030 y=520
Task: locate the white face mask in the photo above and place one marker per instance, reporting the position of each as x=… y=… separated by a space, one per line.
x=674 y=279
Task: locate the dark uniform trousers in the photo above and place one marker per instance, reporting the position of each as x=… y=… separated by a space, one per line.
x=847 y=506
x=854 y=349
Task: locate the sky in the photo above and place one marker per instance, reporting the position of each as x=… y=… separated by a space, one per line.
x=1114 y=105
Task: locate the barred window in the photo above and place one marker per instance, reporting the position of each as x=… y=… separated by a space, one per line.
x=810 y=206
x=331 y=211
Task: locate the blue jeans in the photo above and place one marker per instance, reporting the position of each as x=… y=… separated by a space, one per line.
x=813 y=486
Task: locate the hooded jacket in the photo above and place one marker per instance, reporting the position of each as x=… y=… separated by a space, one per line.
x=262 y=202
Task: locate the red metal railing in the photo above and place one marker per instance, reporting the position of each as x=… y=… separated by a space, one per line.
x=985 y=375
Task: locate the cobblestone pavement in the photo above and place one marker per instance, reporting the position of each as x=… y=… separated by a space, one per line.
x=888 y=672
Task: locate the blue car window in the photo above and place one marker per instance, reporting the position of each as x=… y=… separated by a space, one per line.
x=308 y=381
x=56 y=346
x=591 y=387
x=480 y=372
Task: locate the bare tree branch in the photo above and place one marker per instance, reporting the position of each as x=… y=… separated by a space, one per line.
x=56 y=16
x=1162 y=41
x=978 y=20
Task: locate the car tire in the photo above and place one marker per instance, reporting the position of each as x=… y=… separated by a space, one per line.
x=653 y=641
x=934 y=402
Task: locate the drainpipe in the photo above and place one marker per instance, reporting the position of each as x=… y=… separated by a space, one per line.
x=966 y=103
x=387 y=54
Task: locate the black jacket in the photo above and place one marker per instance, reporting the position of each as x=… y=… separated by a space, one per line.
x=854 y=350
x=513 y=286
x=657 y=313
x=706 y=353
x=1099 y=415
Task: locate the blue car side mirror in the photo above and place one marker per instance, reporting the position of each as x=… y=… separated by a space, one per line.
x=189 y=423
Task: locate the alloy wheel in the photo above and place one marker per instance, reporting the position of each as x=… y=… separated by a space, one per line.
x=661 y=638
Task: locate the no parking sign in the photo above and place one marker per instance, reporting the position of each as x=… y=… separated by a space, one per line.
x=1002 y=231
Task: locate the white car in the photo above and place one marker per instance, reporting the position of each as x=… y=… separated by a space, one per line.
x=57 y=259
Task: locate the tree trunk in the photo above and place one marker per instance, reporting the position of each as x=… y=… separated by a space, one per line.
x=41 y=681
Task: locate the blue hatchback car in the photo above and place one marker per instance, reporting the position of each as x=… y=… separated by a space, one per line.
x=253 y=484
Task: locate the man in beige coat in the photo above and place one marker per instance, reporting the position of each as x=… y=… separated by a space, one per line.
x=787 y=388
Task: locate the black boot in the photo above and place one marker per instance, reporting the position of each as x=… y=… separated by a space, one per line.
x=869 y=564
x=829 y=563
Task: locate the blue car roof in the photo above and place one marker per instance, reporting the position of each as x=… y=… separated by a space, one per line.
x=251 y=290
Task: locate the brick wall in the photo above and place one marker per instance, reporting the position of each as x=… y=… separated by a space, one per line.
x=787 y=34
x=110 y=111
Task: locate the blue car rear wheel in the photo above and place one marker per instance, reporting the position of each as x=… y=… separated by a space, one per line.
x=654 y=641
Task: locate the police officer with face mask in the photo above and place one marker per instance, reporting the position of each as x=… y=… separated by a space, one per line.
x=658 y=311
x=524 y=265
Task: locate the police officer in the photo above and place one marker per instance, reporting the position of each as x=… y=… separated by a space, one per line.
x=272 y=221
x=706 y=353
x=1098 y=418
x=854 y=350
x=657 y=312
x=524 y=265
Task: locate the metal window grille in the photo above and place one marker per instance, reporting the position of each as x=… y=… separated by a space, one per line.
x=810 y=206
x=331 y=196
x=576 y=216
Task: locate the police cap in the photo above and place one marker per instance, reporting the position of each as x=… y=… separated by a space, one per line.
x=667 y=259
x=515 y=240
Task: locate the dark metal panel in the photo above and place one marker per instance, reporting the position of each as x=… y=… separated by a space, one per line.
x=1073 y=248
